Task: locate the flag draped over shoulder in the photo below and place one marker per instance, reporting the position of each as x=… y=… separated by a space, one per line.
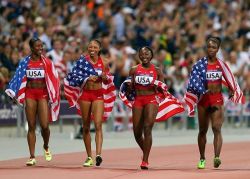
x=168 y=104
x=75 y=80
x=17 y=85
x=197 y=84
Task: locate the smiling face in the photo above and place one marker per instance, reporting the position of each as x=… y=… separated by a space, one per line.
x=37 y=48
x=145 y=55
x=94 y=48
x=212 y=48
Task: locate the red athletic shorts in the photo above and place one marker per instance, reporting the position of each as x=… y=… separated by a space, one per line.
x=211 y=99
x=91 y=95
x=36 y=93
x=141 y=101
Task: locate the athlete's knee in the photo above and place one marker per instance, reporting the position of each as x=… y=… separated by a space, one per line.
x=86 y=129
x=137 y=134
x=216 y=128
x=148 y=128
x=202 y=131
x=98 y=127
x=32 y=129
x=45 y=128
x=32 y=126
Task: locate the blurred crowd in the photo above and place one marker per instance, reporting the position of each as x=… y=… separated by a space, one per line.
x=175 y=30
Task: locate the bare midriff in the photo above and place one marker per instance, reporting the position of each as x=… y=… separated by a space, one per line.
x=93 y=85
x=141 y=92
x=214 y=87
x=39 y=84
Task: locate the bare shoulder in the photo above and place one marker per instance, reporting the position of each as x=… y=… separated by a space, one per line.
x=132 y=70
x=159 y=71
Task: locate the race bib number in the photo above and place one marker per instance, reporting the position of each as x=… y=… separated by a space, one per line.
x=144 y=80
x=35 y=74
x=213 y=75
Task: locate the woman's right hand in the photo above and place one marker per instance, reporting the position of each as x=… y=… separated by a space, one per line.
x=129 y=87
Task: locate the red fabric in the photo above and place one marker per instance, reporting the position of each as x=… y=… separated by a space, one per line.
x=72 y=94
x=141 y=101
x=168 y=104
x=91 y=95
x=212 y=71
x=145 y=72
x=52 y=84
x=211 y=99
x=36 y=94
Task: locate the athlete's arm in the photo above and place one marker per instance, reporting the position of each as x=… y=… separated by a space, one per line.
x=131 y=75
x=105 y=62
x=160 y=77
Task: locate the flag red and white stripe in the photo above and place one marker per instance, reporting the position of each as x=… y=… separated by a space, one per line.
x=168 y=104
x=232 y=84
x=109 y=94
x=52 y=82
x=228 y=80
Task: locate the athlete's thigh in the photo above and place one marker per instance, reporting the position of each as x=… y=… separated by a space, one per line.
x=150 y=113
x=97 y=109
x=217 y=116
x=137 y=116
x=43 y=112
x=203 y=117
x=85 y=107
x=31 y=110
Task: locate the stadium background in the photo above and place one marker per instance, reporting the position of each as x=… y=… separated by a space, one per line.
x=176 y=31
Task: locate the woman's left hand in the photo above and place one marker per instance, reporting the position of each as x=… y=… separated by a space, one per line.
x=104 y=77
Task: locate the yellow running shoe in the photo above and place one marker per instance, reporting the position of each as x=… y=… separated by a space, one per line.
x=88 y=162
x=201 y=164
x=47 y=155
x=217 y=162
x=31 y=162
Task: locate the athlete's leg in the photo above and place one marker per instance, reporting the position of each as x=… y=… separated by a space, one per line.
x=203 y=118
x=149 y=115
x=85 y=110
x=43 y=115
x=217 y=118
x=138 y=125
x=98 y=109
x=31 y=109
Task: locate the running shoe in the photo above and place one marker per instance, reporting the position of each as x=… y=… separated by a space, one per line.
x=47 y=155
x=88 y=162
x=217 y=162
x=31 y=162
x=201 y=164
x=98 y=160
x=144 y=165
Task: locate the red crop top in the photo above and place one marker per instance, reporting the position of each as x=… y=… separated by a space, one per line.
x=35 y=70
x=144 y=77
x=98 y=66
x=214 y=73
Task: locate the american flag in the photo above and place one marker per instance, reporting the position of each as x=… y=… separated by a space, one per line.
x=197 y=84
x=76 y=79
x=17 y=85
x=168 y=104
